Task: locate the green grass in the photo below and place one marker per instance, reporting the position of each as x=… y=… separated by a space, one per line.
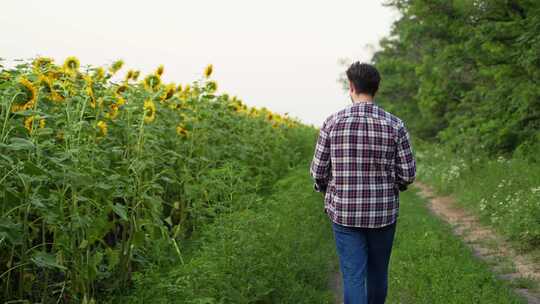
x=431 y=265
x=504 y=193
x=278 y=249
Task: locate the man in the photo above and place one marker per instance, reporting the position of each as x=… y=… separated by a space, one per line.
x=362 y=160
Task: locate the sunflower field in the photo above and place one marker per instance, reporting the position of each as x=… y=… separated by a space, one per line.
x=100 y=178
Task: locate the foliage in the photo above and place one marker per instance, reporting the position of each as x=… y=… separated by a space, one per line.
x=504 y=192
x=466 y=73
x=99 y=179
x=277 y=250
x=430 y=264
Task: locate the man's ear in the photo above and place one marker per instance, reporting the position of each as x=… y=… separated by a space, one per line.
x=351 y=88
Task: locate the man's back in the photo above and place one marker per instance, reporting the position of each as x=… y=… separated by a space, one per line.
x=363 y=155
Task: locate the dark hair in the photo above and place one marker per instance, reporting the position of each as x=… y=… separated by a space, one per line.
x=364 y=77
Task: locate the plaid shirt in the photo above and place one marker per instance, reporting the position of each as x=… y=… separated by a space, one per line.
x=363 y=158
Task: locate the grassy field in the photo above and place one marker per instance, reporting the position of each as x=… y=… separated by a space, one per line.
x=289 y=263
x=430 y=265
x=504 y=192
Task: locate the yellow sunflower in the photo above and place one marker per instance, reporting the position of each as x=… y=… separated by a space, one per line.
x=149 y=111
x=181 y=130
x=29 y=96
x=5 y=75
x=208 y=71
x=160 y=70
x=113 y=111
x=41 y=64
x=90 y=92
x=71 y=65
x=99 y=73
x=120 y=89
x=152 y=82
x=170 y=89
x=29 y=123
x=135 y=75
x=116 y=66
x=102 y=126
x=129 y=75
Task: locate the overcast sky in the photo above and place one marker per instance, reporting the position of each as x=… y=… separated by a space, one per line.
x=282 y=54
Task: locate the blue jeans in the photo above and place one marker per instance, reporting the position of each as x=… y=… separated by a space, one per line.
x=364 y=254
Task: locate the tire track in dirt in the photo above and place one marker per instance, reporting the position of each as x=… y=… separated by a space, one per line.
x=477 y=236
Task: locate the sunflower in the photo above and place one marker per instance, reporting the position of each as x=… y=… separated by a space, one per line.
x=29 y=98
x=149 y=111
x=90 y=92
x=129 y=75
x=135 y=75
x=5 y=76
x=29 y=123
x=116 y=66
x=41 y=64
x=170 y=89
x=160 y=70
x=181 y=130
x=208 y=71
x=120 y=89
x=45 y=82
x=113 y=111
x=120 y=100
x=99 y=73
x=253 y=112
x=152 y=82
x=102 y=126
x=71 y=65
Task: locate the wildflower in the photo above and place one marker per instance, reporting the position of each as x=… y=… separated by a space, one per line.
x=5 y=75
x=120 y=100
x=120 y=89
x=30 y=96
x=40 y=64
x=42 y=123
x=116 y=66
x=102 y=126
x=99 y=73
x=89 y=90
x=160 y=70
x=113 y=111
x=135 y=75
x=149 y=111
x=129 y=75
x=152 y=82
x=180 y=130
x=29 y=123
x=170 y=89
x=208 y=71
x=71 y=65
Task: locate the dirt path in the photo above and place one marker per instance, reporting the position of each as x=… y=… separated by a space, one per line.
x=485 y=243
